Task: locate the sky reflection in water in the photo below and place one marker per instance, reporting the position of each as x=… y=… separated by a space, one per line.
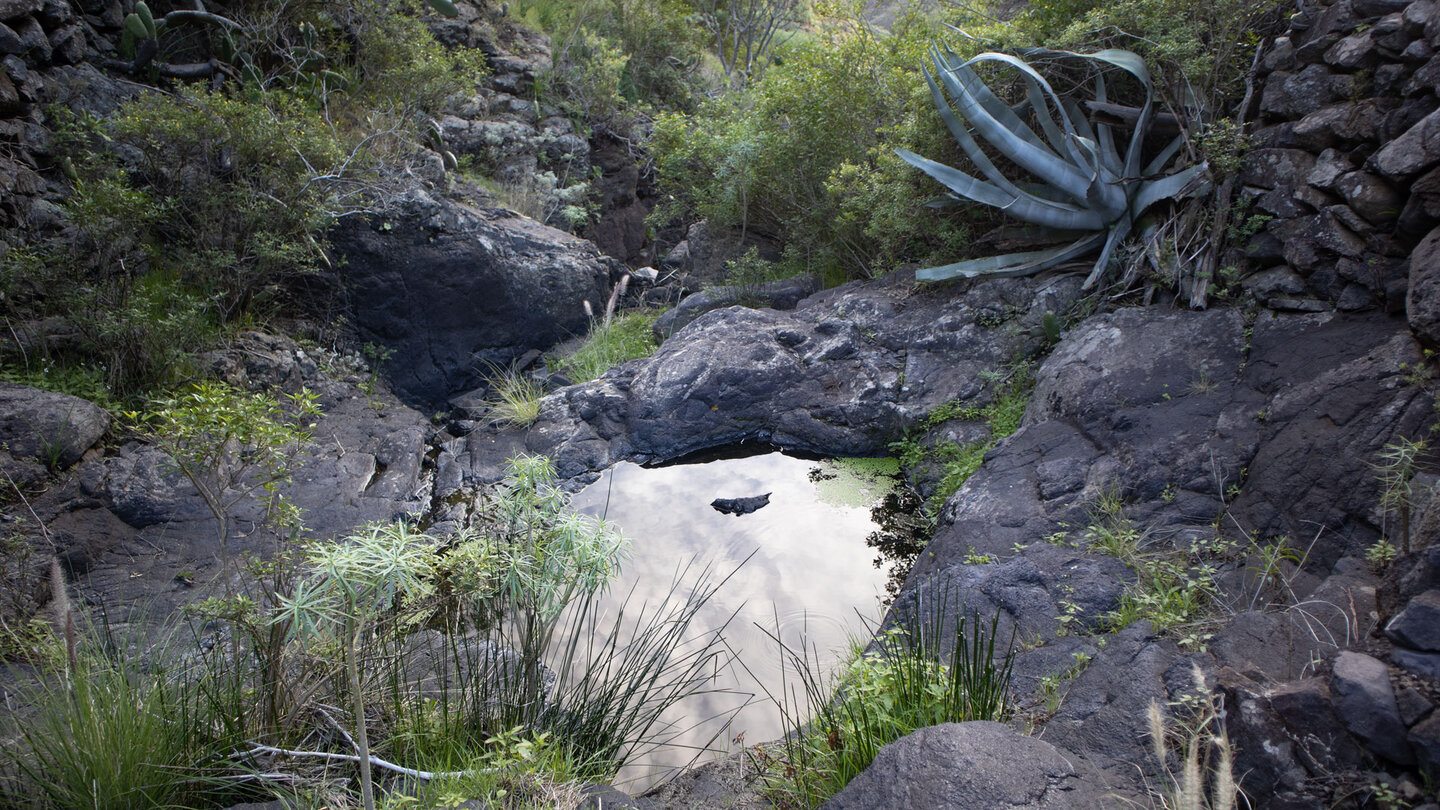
x=811 y=569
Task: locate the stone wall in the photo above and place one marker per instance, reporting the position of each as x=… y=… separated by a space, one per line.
x=1345 y=161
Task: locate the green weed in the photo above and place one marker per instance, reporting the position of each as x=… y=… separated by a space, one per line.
x=958 y=462
x=514 y=397
x=626 y=337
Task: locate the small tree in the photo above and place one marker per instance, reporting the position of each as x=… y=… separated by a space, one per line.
x=231 y=444
x=377 y=573
x=744 y=32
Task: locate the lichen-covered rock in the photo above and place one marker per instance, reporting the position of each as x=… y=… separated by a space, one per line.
x=1418 y=625
x=783 y=295
x=42 y=430
x=1422 y=299
x=1413 y=152
x=841 y=374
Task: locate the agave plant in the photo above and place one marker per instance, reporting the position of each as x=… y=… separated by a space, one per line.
x=1087 y=185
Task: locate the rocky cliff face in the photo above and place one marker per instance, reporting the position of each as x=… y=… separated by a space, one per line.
x=1343 y=167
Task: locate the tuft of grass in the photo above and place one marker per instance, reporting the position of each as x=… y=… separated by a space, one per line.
x=1195 y=740
x=917 y=673
x=514 y=397
x=609 y=344
x=112 y=735
x=1173 y=590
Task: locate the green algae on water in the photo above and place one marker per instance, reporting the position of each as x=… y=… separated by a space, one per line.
x=855 y=482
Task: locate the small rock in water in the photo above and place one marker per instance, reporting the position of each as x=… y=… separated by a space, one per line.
x=740 y=506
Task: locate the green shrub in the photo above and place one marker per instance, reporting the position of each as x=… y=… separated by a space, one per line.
x=231 y=445
x=1192 y=45
x=958 y=462
x=804 y=155
x=614 y=56
x=194 y=210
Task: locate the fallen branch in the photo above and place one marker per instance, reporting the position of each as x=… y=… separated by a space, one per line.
x=424 y=776
x=1118 y=115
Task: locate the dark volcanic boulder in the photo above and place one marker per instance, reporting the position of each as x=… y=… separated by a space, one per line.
x=449 y=288
x=963 y=765
x=40 y=429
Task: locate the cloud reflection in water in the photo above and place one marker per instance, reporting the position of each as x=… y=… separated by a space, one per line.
x=811 y=570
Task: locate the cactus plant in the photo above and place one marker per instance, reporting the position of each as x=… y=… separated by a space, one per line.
x=1088 y=186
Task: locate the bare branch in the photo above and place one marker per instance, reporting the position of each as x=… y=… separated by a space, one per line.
x=424 y=776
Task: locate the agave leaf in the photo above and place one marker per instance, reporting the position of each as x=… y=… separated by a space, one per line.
x=1153 y=191
x=1118 y=231
x=961 y=80
x=962 y=137
x=1158 y=162
x=1011 y=264
x=1106 y=135
x=1036 y=159
x=977 y=156
x=957 y=181
x=1022 y=206
x=1036 y=90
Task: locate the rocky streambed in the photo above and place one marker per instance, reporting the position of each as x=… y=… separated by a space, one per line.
x=1220 y=432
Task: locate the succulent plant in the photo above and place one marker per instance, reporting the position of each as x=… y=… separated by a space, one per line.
x=1087 y=186
x=445 y=7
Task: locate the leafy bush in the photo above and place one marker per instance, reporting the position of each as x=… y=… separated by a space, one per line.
x=231 y=444
x=805 y=154
x=1199 y=50
x=616 y=57
x=194 y=210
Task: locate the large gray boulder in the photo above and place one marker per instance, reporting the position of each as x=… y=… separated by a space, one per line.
x=1422 y=299
x=784 y=294
x=1365 y=701
x=1418 y=625
x=43 y=430
x=1416 y=150
x=969 y=765
x=449 y=288
x=842 y=374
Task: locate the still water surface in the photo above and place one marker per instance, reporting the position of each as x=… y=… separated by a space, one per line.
x=809 y=570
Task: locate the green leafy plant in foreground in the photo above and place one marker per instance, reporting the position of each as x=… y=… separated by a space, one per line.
x=1088 y=186
x=925 y=669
